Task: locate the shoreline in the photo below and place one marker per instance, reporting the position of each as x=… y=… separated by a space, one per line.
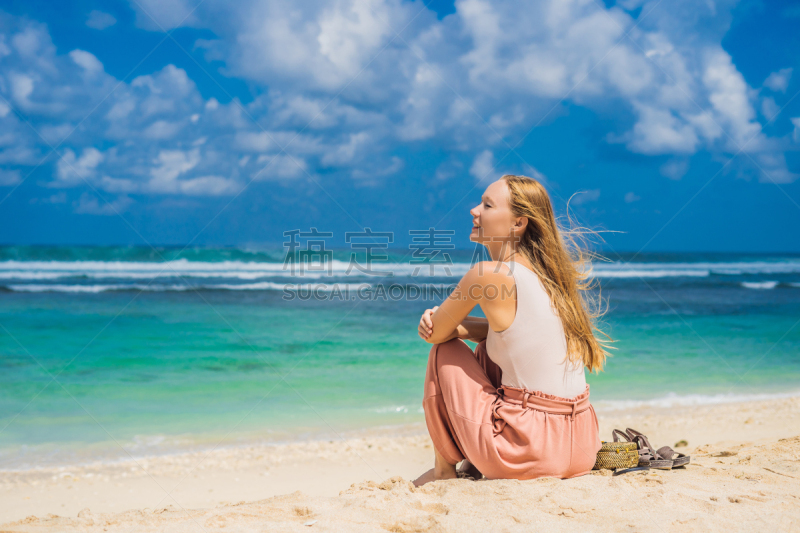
x=324 y=468
x=608 y=408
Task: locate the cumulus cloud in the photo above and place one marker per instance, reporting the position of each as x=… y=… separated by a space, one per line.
x=779 y=81
x=9 y=177
x=72 y=170
x=279 y=167
x=100 y=20
x=89 y=204
x=460 y=81
x=339 y=84
x=86 y=60
x=675 y=169
x=449 y=169
x=483 y=165
x=631 y=197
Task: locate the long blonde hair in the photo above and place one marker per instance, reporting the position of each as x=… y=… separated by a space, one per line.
x=561 y=263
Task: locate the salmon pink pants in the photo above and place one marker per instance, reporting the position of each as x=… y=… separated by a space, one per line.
x=506 y=432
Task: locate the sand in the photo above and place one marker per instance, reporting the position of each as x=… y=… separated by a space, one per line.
x=744 y=476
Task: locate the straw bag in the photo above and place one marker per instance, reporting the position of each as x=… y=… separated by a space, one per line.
x=617 y=455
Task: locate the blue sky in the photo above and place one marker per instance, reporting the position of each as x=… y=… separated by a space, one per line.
x=212 y=122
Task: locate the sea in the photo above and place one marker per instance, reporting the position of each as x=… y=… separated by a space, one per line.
x=108 y=353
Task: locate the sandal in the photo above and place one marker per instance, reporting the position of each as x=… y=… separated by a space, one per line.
x=647 y=455
x=678 y=459
x=626 y=470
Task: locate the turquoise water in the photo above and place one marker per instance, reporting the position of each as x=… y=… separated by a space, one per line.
x=104 y=348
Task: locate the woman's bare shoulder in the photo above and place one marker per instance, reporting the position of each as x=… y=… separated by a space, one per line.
x=490 y=271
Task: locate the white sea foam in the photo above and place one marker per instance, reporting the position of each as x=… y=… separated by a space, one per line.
x=254 y=270
x=391 y=409
x=677 y=400
x=94 y=288
x=263 y=286
x=759 y=284
x=647 y=273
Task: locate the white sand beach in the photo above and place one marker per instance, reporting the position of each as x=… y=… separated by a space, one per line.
x=744 y=476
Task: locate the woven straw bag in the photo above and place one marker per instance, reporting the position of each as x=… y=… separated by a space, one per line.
x=617 y=455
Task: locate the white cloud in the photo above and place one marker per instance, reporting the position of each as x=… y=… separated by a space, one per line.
x=675 y=169
x=89 y=204
x=347 y=153
x=796 y=132
x=86 y=60
x=535 y=174
x=449 y=169
x=631 y=197
x=117 y=185
x=280 y=167
x=374 y=175
x=21 y=88
x=779 y=81
x=161 y=129
x=769 y=108
x=483 y=166
x=349 y=33
x=73 y=170
x=100 y=20
x=336 y=88
x=161 y=16
x=171 y=164
x=254 y=141
x=728 y=97
x=9 y=177
x=29 y=42
x=659 y=131
x=209 y=186
x=53 y=199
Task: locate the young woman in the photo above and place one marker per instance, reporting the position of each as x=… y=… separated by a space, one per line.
x=518 y=406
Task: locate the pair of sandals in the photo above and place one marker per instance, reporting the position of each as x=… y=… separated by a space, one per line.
x=664 y=458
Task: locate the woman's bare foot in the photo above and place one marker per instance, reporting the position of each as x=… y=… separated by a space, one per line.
x=470 y=469
x=442 y=470
x=431 y=475
x=427 y=477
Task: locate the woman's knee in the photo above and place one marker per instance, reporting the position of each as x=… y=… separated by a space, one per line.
x=447 y=349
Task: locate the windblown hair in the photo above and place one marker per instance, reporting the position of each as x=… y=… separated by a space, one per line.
x=561 y=264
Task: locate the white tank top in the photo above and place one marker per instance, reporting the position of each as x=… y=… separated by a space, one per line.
x=531 y=351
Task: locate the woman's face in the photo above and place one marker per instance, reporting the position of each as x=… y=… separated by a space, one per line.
x=492 y=219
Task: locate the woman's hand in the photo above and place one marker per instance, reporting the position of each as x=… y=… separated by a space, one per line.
x=426 y=323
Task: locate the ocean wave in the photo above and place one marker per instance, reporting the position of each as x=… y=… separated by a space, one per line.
x=656 y=273
x=391 y=409
x=231 y=274
x=263 y=286
x=222 y=269
x=677 y=400
x=759 y=284
x=255 y=270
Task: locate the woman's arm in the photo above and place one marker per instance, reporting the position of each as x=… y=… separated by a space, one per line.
x=448 y=318
x=472 y=328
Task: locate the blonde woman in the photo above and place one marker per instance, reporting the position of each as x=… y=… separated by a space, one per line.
x=518 y=406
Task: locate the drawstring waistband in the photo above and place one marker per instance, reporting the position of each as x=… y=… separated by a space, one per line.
x=548 y=403
x=539 y=401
